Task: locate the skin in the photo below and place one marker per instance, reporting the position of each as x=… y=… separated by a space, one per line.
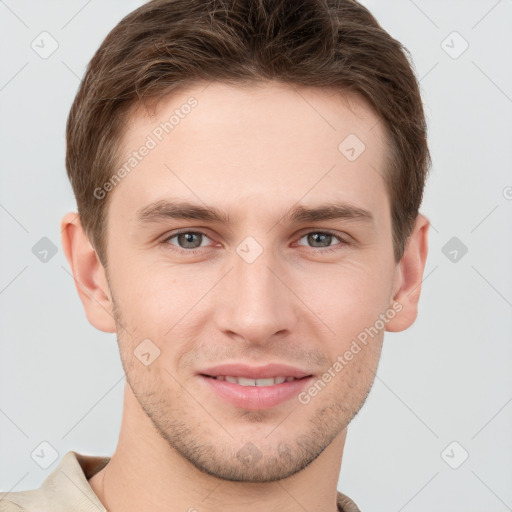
x=253 y=152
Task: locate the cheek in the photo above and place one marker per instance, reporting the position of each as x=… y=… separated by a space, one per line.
x=160 y=305
x=153 y=299
x=353 y=300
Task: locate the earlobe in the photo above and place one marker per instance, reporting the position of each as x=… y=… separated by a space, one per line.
x=88 y=272
x=409 y=276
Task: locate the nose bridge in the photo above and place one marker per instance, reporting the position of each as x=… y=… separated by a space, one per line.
x=257 y=303
x=252 y=273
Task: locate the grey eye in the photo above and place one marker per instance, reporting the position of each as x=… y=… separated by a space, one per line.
x=188 y=239
x=319 y=239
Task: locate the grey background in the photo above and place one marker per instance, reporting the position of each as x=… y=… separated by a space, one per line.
x=445 y=379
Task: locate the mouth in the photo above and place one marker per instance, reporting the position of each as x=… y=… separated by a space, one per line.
x=250 y=375
x=255 y=388
x=246 y=381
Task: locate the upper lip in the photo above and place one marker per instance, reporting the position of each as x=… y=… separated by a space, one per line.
x=255 y=372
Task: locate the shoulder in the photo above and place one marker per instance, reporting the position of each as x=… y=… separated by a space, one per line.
x=65 y=487
x=21 y=501
x=345 y=504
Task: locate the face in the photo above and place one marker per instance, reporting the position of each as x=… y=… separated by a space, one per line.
x=280 y=260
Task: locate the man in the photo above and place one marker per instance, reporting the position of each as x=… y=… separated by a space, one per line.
x=248 y=176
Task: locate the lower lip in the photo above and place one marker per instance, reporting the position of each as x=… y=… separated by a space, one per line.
x=256 y=397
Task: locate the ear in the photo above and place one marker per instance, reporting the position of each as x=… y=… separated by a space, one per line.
x=88 y=272
x=408 y=277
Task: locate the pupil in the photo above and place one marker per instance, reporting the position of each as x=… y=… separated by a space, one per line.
x=188 y=238
x=321 y=236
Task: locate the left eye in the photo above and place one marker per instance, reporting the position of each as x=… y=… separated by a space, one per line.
x=320 y=237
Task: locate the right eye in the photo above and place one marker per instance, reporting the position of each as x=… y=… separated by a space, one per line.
x=187 y=240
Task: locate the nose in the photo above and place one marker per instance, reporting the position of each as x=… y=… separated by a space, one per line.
x=255 y=302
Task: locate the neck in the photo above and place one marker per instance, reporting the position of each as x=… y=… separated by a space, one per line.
x=146 y=474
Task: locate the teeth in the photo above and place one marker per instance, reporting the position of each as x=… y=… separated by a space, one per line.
x=243 y=381
x=265 y=382
x=246 y=382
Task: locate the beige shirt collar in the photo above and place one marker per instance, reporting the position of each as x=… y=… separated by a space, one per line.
x=67 y=486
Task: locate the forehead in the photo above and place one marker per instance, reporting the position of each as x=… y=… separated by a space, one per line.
x=253 y=145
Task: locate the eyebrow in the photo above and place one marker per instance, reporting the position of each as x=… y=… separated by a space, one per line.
x=165 y=209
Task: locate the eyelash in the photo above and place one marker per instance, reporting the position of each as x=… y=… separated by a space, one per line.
x=325 y=250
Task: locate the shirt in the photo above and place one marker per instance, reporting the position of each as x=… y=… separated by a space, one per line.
x=67 y=489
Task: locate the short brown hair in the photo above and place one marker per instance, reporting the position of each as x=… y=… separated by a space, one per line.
x=168 y=44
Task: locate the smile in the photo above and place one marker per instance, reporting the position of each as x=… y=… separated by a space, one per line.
x=245 y=381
